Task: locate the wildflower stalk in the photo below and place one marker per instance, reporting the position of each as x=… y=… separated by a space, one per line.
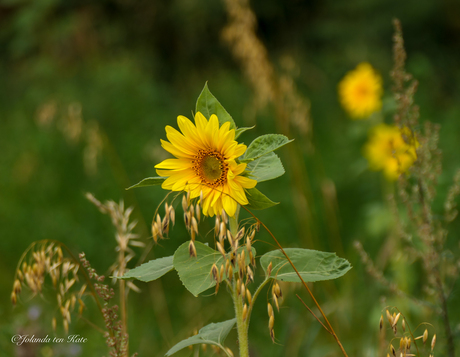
x=330 y=328
x=241 y=324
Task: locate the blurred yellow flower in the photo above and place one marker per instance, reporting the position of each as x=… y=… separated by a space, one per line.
x=205 y=164
x=360 y=91
x=391 y=149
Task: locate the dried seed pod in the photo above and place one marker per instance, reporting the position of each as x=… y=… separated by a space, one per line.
x=258 y=226
x=14 y=298
x=187 y=219
x=271 y=322
x=165 y=225
x=184 y=203
x=275 y=299
x=395 y=321
x=159 y=226
x=222 y=231
x=393 y=351
x=381 y=322
x=230 y=238
x=229 y=351
x=216 y=226
x=238 y=287
x=272 y=335
x=248 y=245
x=402 y=343
x=390 y=318
x=192 y=249
x=248 y=296
x=242 y=258
x=17 y=287
x=240 y=234
x=433 y=342
x=224 y=217
x=215 y=273
x=243 y=290
x=252 y=259
x=245 y=312
x=403 y=324
x=270 y=309
x=222 y=271
x=198 y=212
x=425 y=336
x=251 y=236
x=172 y=215
x=230 y=273
x=249 y=274
x=277 y=290
x=232 y=258
x=220 y=249
x=269 y=269
x=194 y=224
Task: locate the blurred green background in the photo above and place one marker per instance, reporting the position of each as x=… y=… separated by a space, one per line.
x=87 y=88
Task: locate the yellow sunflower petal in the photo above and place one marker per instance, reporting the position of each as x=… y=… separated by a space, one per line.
x=174 y=164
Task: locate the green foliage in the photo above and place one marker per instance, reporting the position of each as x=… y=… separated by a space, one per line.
x=312 y=265
x=149 y=181
x=195 y=272
x=207 y=104
x=267 y=167
x=264 y=145
x=257 y=200
x=240 y=131
x=212 y=334
x=151 y=270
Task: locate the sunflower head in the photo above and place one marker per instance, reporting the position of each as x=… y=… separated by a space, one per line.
x=205 y=164
x=360 y=91
x=391 y=149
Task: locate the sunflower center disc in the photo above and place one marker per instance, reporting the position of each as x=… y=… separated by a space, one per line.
x=211 y=167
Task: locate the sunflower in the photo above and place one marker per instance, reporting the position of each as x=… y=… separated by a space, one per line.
x=391 y=149
x=360 y=91
x=205 y=164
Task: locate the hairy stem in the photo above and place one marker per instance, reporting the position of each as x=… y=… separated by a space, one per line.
x=241 y=324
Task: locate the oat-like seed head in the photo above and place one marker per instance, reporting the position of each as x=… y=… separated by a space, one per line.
x=381 y=322
x=425 y=335
x=192 y=249
x=433 y=342
x=269 y=269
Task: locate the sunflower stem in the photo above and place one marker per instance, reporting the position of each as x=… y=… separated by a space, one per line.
x=241 y=324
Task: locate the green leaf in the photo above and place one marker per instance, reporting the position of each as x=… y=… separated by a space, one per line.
x=151 y=270
x=195 y=273
x=207 y=104
x=149 y=181
x=265 y=168
x=312 y=265
x=257 y=200
x=265 y=144
x=212 y=334
x=240 y=131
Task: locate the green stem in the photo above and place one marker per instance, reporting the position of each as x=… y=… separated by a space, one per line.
x=241 y=324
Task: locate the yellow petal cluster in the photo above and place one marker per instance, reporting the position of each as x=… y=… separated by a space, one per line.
x=360 y=92
x=391 y=149
x=205 y=164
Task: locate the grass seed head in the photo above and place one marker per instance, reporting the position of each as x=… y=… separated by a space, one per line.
x=381 y=322
x=269 y=269
x=248 y=296
x=192 y=249
x=433 y=342
x=425 y=335
x=245 y=312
